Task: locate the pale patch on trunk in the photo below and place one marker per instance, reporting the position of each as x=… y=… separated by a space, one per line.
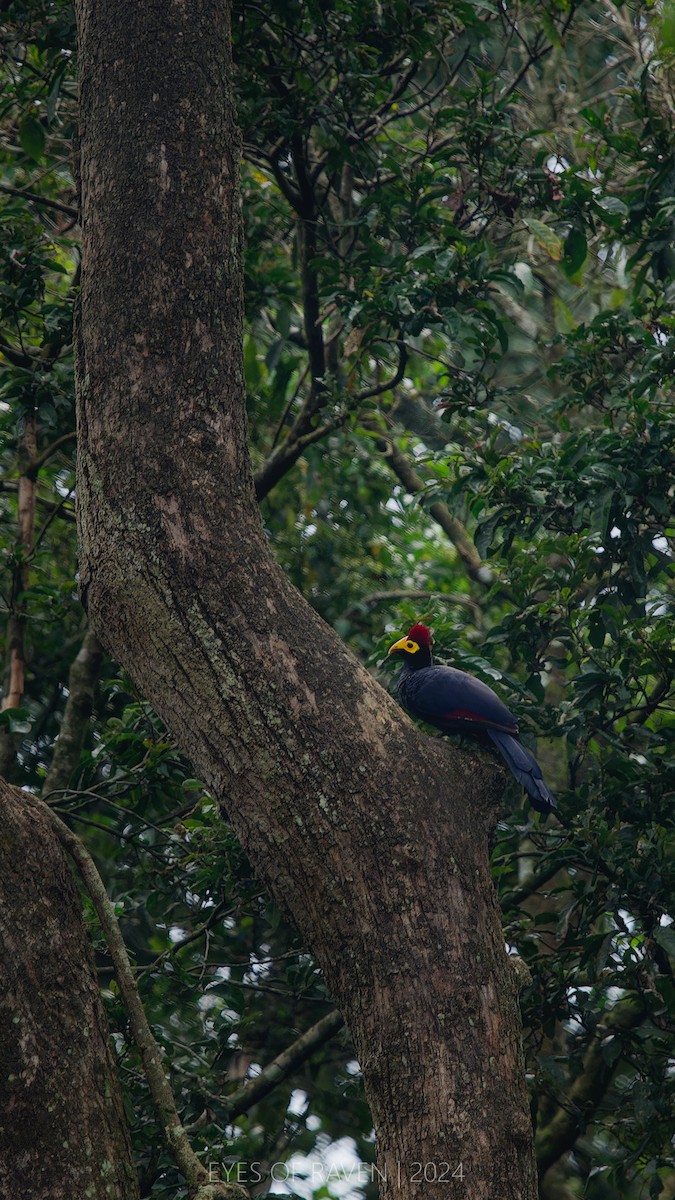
x=280 y=652
x=164 y=178
x=172 y=520
x=374 y=720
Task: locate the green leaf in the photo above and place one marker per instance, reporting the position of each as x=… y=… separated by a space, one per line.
x=549 y=28
x=564 y=317
x=612 y=210
x=32 y=137
x=666 y=29
x=611 y=1049
x=55 y=90
x=546 y=238
x=595 y=119
x=16 y=720
x=596 y=629
x=665 y=936
x=485 y=533
x=576 y=250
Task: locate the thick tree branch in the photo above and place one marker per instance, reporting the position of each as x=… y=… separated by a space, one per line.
x=373 y=837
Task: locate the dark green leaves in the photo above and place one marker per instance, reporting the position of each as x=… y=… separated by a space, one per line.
x=32 y=137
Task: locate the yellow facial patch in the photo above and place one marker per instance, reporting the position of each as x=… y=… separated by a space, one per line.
x=404 y=644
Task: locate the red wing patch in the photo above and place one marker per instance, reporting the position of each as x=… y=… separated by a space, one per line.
x=463 y=714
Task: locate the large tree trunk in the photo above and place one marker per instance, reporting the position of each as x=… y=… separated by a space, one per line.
x=371 y=835
x=63 y=1133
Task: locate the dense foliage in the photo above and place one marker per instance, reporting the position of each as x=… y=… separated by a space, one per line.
x=459 y=289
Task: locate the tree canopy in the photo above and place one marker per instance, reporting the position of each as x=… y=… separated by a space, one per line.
x=458 y=350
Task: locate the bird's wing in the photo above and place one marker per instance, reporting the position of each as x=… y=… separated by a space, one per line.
x=452 y=700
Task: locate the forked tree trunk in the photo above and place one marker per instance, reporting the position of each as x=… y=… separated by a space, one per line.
x=372 y=836
x=63 y=1133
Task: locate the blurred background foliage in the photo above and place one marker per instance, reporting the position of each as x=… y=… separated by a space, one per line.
x=459 y=351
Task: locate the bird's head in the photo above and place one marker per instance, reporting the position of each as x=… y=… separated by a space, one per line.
x=415 y=647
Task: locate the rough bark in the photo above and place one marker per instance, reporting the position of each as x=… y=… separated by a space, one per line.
x=372 y=836
x=63 y=1132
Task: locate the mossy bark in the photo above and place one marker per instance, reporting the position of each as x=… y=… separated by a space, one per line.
x=374 y=837
x=63 y=1134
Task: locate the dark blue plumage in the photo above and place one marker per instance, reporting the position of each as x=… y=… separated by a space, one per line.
x=455 y=702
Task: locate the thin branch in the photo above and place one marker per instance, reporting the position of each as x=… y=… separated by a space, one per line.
x=396 y=378
x=47 y=356
x=16 y=358
x=412 y=594
x=48 y=453
x=46 y=523
x=536 y=54
x=217 y=912
x=373 y=120
x=439 y=511
x=401 y=114
x=11 y=487
x=196 y=1175
x=301 y=435
x=514 y=899
x=128 y=839
x=68 y=209
x=281 y=1066
x=294 y=395
x=287 y=454
x=644 y=711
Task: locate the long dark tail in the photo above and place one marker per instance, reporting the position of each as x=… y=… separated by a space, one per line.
x=526 y=770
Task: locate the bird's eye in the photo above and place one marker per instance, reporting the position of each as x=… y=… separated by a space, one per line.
x=410 y=646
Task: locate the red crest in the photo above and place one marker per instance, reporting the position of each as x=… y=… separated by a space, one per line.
x=422 y=635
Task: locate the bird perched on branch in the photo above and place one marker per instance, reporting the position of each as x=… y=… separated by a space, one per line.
x=457 y=703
